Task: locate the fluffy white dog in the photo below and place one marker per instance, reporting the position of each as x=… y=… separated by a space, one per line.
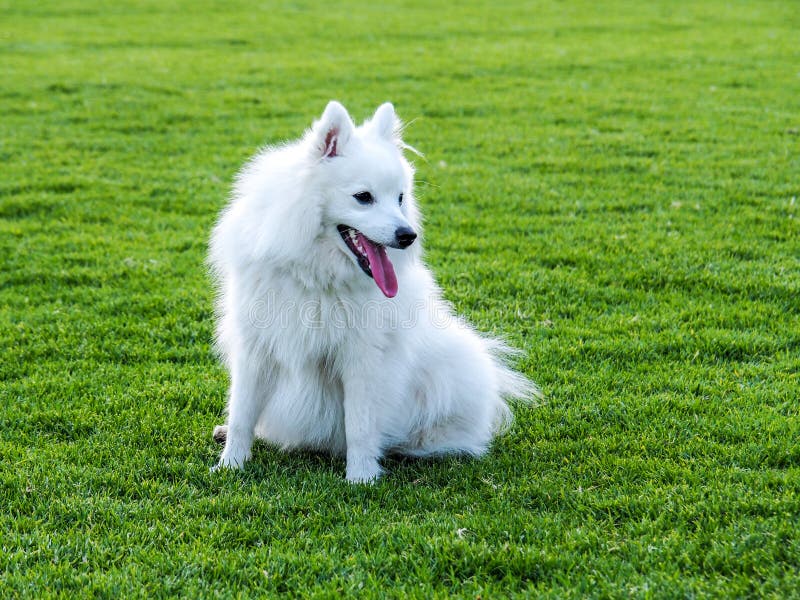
x=333 y=330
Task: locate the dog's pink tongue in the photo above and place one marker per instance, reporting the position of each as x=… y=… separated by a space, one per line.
x=381 y=267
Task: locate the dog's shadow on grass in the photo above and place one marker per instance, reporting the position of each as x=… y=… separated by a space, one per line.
x=307 y=467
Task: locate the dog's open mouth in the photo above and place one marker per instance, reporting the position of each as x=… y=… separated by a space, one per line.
x=372 y=259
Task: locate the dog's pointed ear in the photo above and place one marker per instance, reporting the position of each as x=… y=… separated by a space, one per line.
x=385 y=122
x=333 y=130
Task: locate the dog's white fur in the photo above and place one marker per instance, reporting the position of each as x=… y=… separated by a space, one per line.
x=318 y=356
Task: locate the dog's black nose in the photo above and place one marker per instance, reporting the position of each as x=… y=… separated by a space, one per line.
x=405 y=236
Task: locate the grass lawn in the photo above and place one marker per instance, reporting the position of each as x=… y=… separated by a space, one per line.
x=611 y=186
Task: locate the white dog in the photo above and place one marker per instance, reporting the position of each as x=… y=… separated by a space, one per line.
x=332 y=328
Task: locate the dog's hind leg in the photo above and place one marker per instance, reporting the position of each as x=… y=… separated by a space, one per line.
x=457 y=436
x=462 y=390
x=220 y=433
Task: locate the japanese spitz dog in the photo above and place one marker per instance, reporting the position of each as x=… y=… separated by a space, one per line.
x=333 y=330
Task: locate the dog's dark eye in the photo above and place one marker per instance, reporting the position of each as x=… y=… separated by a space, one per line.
x=364 y=197
x=400 y=199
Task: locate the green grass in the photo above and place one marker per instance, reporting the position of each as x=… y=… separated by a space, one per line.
x=614 y=188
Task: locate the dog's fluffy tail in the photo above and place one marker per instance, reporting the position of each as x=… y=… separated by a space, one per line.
x=512 y=385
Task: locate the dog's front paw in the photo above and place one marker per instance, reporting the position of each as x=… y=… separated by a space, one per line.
x=217 y=467
x=226 y=464
x=231 y=460
x=363 y=470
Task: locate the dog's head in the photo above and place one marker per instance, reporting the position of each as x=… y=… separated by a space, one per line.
x=369 y=210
